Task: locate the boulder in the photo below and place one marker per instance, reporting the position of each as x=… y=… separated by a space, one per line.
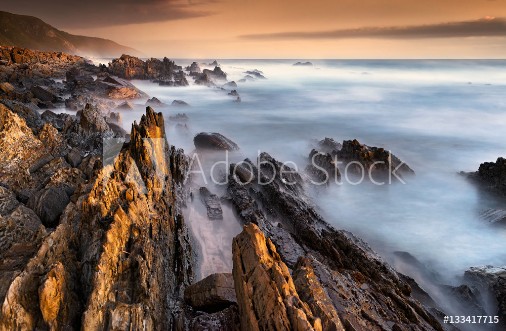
x=233 y=93
x=214 y=141
x=49 y=204
x=74 y=157
x=212 y=203
x=211 y=294
x=92 y=121
x=43 y=94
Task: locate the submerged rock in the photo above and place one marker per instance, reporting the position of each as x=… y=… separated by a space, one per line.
x=305 y=64
x=154 y=102
x=179 y=103
x=214 y=141
x=179 y=117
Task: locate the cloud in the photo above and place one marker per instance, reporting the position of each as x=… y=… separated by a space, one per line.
x=101 y=13
x=486 y=27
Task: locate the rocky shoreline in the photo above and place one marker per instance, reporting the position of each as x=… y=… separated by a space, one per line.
x=99 y=241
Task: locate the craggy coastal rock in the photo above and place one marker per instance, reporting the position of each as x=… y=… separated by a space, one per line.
x=364 y=292
x=211 y=77
x=491 y=282
x=267 y=297
x=120 y=256
x=164 y=72
x=92 y=235
x=331 y=159
x=492 y=175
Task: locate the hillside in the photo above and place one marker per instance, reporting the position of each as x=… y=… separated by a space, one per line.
x=31 y=32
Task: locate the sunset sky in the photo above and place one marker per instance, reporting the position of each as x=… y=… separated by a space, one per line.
x=285 y=29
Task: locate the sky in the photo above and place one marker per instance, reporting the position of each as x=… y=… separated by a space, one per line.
x=293 y=29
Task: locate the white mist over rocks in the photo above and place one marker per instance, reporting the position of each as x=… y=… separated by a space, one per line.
x=440 y=117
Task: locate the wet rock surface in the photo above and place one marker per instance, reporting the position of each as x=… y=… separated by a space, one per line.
x=212 y=203
x=491 y=281
x=365 y=292
x=330 y=159
x=214 y=141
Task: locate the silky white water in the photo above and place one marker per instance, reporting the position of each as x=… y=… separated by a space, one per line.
x=440 y=117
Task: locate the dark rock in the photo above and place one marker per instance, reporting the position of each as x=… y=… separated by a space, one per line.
x=212 y=203
x=493 y=174
x=491 y=282
x=115 y=117
x=92 y=121
x=165 y=72
x=216 y=74
x=74 y=158
x=494 y=216
x=179 y=103
x=179 y=117
x=49 y=204
x=117 y=130
x=154 y=102
x=233 y=93
x=257 y=74
x=43 y=94
x=214 y=64
x=8 y=201
x=231 y=84
x=349 y=271
x=374 y=159
x=329 y=145
x=211 y=294
x=225 y=320
x=29 y=112
x=214 y=141
x=305 y=64
x=322 y=168
x=125 y=106
x=193 y=68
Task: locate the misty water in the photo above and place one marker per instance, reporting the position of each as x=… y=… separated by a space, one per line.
x=440 y=117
